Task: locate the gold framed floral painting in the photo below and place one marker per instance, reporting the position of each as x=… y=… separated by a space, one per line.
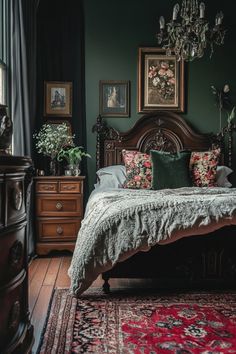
x=160 y=81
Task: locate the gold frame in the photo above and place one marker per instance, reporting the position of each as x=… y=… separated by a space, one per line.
x=123 y=87
x=62 y=108
x=148 y=93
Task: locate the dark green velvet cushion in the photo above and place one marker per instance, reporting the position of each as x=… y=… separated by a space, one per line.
x=170 y=170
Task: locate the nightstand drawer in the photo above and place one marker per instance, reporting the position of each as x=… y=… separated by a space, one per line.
x=47 y=187
x=61 y=229
x=59 y=211
x=70 y=187
x=59 y=205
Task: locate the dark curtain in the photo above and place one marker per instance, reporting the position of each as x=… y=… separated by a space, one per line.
x=60 y=57
x=23 y=81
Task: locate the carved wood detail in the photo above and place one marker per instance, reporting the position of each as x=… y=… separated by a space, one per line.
x=158 y=130
x=16 y=253
x=17 y=196
x=14 y=317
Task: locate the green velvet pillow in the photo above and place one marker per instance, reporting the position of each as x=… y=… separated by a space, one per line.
x=170 y=170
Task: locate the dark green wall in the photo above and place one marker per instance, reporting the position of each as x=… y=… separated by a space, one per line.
x=113 y=32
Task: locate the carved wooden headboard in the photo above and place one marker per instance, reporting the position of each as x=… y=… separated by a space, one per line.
x=158 y=130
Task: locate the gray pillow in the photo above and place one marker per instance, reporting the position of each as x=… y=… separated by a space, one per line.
x=111 y=176
x=221 y=176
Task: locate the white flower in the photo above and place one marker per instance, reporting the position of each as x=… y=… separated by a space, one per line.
x=50 y=139
x=155 y=81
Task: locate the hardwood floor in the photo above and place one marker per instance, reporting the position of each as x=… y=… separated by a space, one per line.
x=48 y=273
x=45 y=274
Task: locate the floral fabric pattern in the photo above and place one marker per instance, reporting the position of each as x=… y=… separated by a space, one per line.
x=138 y=170
x=203 y=167
x=162 y=77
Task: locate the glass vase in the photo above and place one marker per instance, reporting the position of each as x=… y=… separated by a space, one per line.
x=53 y=167
x=73 y=170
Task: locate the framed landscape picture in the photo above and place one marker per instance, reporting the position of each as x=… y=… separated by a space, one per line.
x=58 y=99
x=160 y=81
x=114 y=98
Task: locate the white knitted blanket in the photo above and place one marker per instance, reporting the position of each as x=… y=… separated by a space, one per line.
x=121 y=222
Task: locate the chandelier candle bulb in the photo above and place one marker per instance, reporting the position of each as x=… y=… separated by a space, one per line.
x=162 y=23
x=202 y=10
x=175 y=11
x=219 y=18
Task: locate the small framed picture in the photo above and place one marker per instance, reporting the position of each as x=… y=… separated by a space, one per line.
x=160 y=81
x=58 y=99
x=114 y=98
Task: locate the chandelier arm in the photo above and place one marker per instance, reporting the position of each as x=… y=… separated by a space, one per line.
x=190 y=35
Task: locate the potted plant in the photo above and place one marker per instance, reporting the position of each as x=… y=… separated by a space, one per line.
x=73 y=156
x=51 y=139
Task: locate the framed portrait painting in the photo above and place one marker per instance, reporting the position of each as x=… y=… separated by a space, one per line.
x=160 y=81
x=114 y=98
x=58 y=99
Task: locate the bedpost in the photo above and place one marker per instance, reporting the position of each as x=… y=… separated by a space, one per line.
x=104 y=131
x=99 y=128
x=231 y=128
x=227 y=132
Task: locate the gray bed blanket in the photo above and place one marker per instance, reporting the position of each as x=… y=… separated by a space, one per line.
x=122 y=222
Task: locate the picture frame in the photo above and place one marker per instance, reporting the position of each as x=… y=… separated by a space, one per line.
x=160 y=81
x=114 y=98
x=58 y=99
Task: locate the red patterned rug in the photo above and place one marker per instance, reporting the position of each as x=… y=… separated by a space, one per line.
x=181 y=324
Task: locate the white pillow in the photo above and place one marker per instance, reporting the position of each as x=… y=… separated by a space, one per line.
x=111 y=176
x=221 y=176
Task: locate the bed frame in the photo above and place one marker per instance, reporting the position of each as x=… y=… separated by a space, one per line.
x=197 y=261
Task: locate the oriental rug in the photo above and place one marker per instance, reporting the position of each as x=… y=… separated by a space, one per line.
x=196 y=323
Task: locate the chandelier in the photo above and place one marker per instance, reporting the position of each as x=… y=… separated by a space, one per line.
x=189 y=36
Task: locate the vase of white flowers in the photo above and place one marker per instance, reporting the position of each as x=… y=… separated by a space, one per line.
x=50 y=139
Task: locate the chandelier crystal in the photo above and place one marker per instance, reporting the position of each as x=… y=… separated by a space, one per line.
x=188 y=34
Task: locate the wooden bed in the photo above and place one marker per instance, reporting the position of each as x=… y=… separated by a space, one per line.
x=193 y=262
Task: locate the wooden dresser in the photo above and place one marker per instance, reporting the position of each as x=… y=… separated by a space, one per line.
x=16 y=332
x=59 y=211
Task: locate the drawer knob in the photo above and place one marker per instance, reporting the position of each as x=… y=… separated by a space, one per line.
x=59 y=230
x=59 y=206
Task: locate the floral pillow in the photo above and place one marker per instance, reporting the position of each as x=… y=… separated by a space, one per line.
x=203 y=167
x=138 y=170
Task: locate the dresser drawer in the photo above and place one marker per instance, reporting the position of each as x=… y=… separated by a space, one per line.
x=46 y=187
x=13 y=301
x=70 y=187
x=1 y=203
x=60 y=230
x=59 y=205
x=12 y=259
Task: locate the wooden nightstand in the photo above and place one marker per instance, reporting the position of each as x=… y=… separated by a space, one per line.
x=59 y=211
